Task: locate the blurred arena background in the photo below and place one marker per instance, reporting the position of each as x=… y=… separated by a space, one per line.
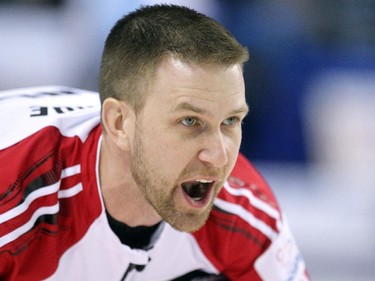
x=310 y=88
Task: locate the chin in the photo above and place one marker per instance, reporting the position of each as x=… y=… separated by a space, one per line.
x=189 y=229
x=190 y=224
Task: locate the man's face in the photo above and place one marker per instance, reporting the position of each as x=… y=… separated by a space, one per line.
x=187 y=139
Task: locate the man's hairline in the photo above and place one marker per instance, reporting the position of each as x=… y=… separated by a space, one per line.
x=151 y=74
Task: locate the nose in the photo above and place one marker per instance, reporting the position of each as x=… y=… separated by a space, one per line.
x=214 y=152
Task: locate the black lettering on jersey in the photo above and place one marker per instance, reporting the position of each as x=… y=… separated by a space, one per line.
x=63 y=109
x=38 y=111
x=40 y=94
x=45 y=110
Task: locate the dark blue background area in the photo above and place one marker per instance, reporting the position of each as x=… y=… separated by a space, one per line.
x=286 y=53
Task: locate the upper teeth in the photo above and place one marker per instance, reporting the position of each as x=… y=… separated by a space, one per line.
x=203 y=181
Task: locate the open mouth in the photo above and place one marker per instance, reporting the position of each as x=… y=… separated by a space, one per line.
x=197 y=190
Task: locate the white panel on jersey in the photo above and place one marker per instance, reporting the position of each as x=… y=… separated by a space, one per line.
x=25 y=111
x=98 y=256
x=283 y=257
x=174 y=255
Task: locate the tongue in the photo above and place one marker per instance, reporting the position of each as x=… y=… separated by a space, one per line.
x=195 y=190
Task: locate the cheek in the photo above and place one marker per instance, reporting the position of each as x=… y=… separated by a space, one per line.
x=233 y=147
x=233 y=154
x=233 y=141
x=164 y=153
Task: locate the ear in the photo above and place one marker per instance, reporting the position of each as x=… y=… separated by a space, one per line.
x=117 y=119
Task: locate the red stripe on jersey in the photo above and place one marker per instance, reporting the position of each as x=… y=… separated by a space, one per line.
x=231 y=245
x=244 y=173
x=60 y=220
x=26 y=166
x=229 y=222
x=259 y=209
x=239 y=230
x=247 y=193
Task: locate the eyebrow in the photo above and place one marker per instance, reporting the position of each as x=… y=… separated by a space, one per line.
x=189 y=107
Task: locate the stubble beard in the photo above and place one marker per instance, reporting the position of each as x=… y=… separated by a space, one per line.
x=158 y=192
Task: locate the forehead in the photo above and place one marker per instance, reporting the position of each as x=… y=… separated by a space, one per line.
x=178 y=83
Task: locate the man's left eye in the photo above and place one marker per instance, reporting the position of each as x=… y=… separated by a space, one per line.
x=189 y=121
x=230 y=121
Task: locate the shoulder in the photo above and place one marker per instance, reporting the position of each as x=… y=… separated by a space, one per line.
x=26 y=111
x=44 y=181
x=246 y=230
x=244 y=219
x=247 y=202
x=45 y=96
x=245 y=180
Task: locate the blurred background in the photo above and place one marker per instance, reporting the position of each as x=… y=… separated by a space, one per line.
x=310 y=87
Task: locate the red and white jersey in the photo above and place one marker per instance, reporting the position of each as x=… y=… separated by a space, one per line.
x=53 y=224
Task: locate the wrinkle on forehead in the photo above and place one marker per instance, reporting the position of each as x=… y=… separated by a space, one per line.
x=177 y=81
x=241 y=109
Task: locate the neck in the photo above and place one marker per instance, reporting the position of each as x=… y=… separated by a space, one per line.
x=123 y=199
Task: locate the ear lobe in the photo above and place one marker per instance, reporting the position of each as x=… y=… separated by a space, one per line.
x=115 y=117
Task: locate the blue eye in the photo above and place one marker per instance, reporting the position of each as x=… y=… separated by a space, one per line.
x=230 y=121
x=189 y=121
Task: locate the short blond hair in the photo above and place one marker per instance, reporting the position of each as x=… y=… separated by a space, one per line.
x=142 y=39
